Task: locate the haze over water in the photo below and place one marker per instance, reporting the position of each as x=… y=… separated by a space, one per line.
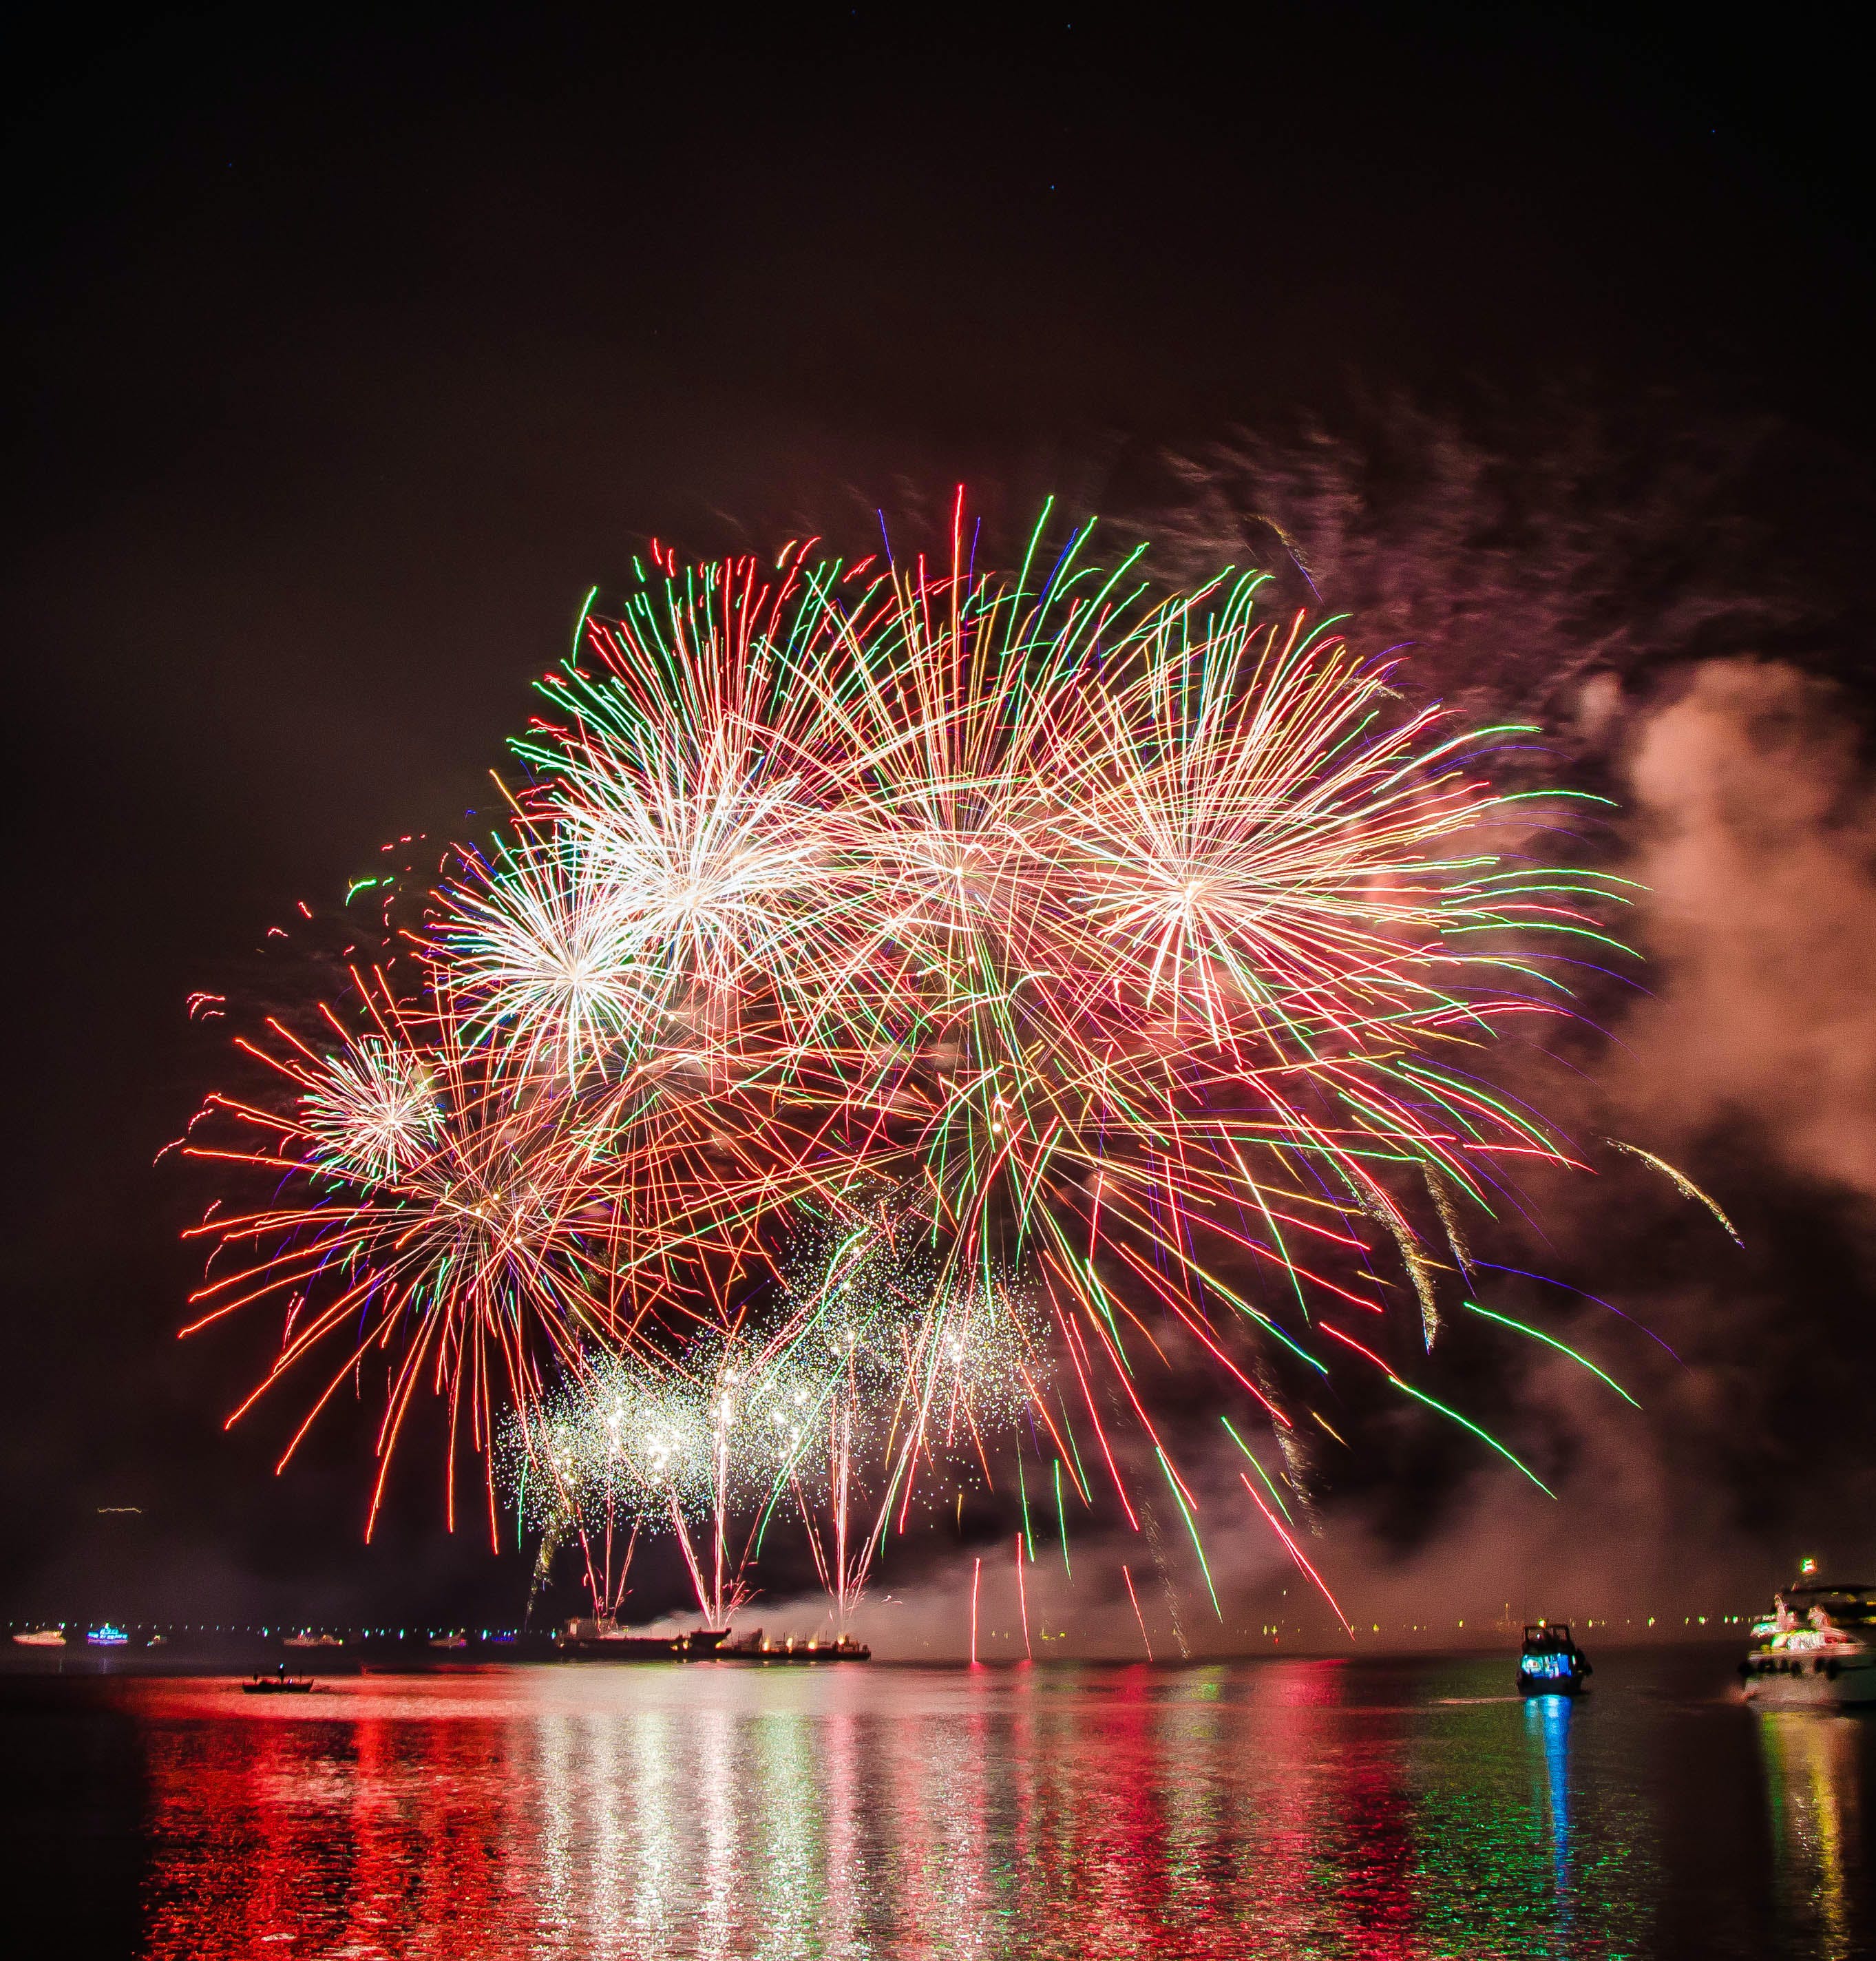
x=1396 y=1808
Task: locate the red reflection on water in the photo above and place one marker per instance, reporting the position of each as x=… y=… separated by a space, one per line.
x=1375 y=1814
x=715 y=1811
x=1120 y=1857
x=357 y=1835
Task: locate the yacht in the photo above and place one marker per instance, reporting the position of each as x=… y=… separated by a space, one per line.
x=1816 y=1649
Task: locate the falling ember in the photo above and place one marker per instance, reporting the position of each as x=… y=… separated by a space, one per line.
x=1061 y=1518
x=1681 y=1182
x=1296 y=1553
x=1022 y=1600
x=1145 y=1642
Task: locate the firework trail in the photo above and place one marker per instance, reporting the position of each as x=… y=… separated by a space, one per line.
x=880 y=1361
x=623 y=1447
x=1680 y=1181
x=1104 y=974
x=872 y=1364
x=1145 y=1641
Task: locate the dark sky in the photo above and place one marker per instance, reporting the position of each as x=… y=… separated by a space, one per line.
x=345 y=356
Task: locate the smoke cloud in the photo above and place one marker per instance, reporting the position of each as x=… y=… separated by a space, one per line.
x=1756 y=831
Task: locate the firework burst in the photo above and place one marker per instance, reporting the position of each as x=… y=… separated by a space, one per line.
x=1147 y=954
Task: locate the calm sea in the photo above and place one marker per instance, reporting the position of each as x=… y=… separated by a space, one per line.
x=1300 y=1808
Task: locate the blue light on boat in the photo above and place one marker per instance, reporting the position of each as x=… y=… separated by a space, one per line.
x=1546 y=1667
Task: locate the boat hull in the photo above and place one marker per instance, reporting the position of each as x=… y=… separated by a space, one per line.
x=1550 y=1684
x=801 y=1657
x=1810 y=1680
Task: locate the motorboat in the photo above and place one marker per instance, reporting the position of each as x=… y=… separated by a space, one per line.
x=1550 y=1663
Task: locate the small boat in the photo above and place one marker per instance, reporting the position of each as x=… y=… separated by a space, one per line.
x=1550 y=1663
x=42 y=1637
x=1816 y=1649
x=107 y=1637
x=456 y=1639
x=306 y=1638
x=278 y=1683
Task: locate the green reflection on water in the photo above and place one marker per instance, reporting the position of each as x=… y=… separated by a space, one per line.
x=1518 y=1859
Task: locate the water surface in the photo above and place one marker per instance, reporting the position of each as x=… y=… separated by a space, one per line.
x=1300 y=1809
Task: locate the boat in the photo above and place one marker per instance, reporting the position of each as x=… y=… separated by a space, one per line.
x=307 y=1639
x=754 y=1647
x=456 y=1639
x=107 y=1637
x=279 y=1683
x=1816 y=1649
x=42 y=1637
x=1550 y=1663
x=603 y=1640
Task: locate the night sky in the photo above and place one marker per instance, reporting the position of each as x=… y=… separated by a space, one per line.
x=345 y=357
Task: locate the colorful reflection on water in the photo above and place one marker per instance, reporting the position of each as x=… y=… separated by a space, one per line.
x=1811 y=1775
x=1300 y=1808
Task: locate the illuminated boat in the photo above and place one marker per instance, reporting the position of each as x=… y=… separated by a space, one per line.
x=279 y=1683
x=1817 y=1649
x=1550 y=1663
x=107 y=1637
x=755 y=1647
x=42 y=1637
x=307 y=1639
